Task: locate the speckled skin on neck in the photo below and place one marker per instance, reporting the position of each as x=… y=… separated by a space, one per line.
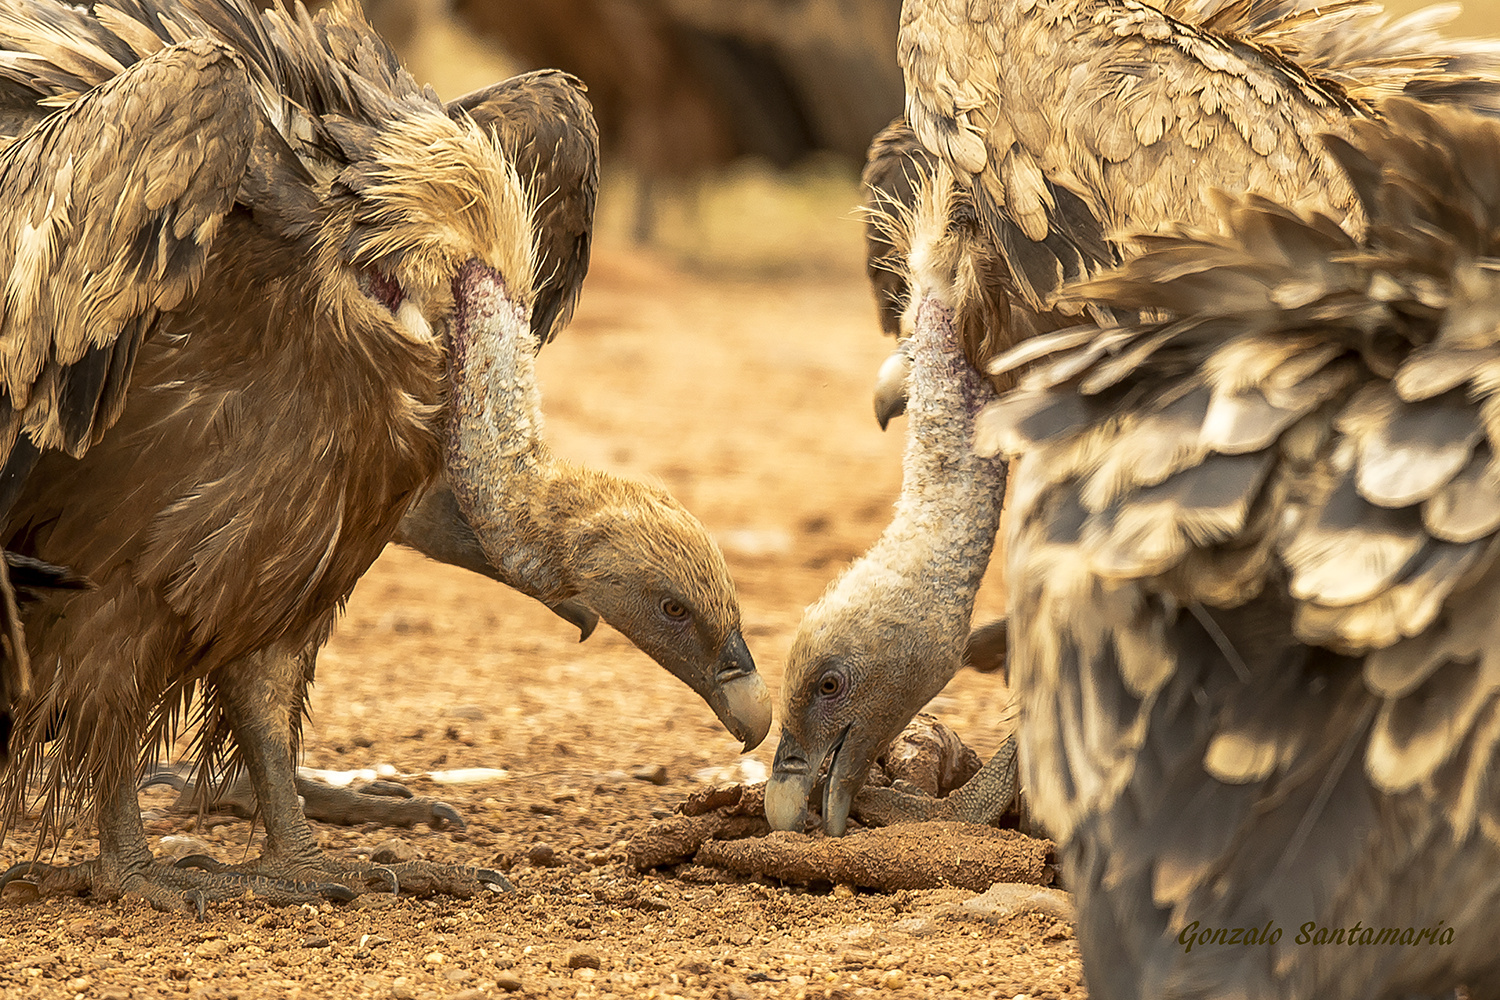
x=579 y=539
x=890 y=631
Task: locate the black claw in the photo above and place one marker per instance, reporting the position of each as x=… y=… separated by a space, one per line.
x=199 y=901
x=394 y=789
x=445 y=817
x=390 y=879
x=336 y=893
x=21 y=871
x=202 y=861
x=170 y=778
x=493 y=880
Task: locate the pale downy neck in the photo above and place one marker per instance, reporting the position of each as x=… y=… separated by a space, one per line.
x=518 y=506
x=933 y=555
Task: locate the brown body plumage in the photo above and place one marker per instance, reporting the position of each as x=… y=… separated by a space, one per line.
x=1254 y=584
x=1161 y=106
x=1068 y=128
x=362 y=322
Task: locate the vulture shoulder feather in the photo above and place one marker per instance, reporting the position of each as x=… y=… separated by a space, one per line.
x=111 y=209
x=545 y=125
x=1091 y=119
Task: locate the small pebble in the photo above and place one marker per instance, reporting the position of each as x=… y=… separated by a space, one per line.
x=402 y=991
x=508 y=981
x=915 y=926
x=583 y=960
x=393 y=852
x=316 y=941
x=893 y=979
x=542 y=856
x=843 y=891
x=211 y=949
x=434 y=958
x=655 y=774
x=544 y=809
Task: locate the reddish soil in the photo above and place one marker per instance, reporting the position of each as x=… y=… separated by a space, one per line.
x=749 y=397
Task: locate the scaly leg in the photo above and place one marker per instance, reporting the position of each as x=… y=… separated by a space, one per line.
x=983 y=799
x=262 y=703
x=126 y=867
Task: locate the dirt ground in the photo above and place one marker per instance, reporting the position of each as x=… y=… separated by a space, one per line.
x=739 y=375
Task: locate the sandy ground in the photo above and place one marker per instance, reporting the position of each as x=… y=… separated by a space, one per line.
x=739 y=376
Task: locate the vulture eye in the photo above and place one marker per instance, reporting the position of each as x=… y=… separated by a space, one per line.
x=830 y=684
x=673 y=609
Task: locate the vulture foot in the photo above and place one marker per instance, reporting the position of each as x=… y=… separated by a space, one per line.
x=983 y=799
x=170 y=888
x=346 y=879
x=383 y=803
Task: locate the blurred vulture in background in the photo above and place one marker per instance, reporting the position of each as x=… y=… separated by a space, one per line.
x=308 y=291
x=1255 y=579
x=1133 y=121
x=681 y=87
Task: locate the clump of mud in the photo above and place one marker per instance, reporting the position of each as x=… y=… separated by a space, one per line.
x=725 y=828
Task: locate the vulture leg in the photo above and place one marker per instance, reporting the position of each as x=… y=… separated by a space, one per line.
x=383 y=803
x=983 y=799
x=126 y=867
x=262 y=706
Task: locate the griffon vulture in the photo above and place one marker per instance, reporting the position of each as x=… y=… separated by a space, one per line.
x=1061 y=126
x=1255 y=579
x=355 y=274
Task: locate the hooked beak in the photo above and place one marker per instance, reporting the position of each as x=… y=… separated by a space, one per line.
x=582 y=617
x=737 y=694
x=890 y=385
x=793 y=775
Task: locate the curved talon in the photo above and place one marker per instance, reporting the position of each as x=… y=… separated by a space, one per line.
x=199 y=902
x=493 y=880
x=165 y=777
x=14 y=873
x=445 y=817
x=394 y=789
x=334 y=892
x=201 y=861
x=390 y=879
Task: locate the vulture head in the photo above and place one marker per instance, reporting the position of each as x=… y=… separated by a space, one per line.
x=890 y=632
x=584 y=542
x=436 y=236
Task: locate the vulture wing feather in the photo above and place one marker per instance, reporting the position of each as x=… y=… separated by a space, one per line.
x=545 y=125
x=111 y=209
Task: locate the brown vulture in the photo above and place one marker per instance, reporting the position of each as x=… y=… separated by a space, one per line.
x=1062 y=126
x=1255 y=565
x=686 y=86
x=320 y=284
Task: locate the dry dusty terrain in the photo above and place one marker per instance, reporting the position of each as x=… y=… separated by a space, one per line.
x=743 y=385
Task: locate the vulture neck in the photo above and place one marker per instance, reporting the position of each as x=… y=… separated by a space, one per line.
x=938 y=544
x=524 y=506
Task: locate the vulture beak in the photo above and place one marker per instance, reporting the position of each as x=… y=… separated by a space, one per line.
x=790 y=785
x=737 y=694
x=890 y=385
x=794 y=774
